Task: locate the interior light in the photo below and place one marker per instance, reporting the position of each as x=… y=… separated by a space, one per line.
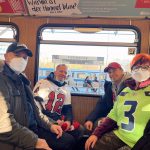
x=88 y=30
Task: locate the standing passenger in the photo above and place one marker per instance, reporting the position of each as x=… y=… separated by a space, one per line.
x=22 y=125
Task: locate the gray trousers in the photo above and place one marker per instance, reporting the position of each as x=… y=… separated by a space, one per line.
x=110 y=141
x=6 y=146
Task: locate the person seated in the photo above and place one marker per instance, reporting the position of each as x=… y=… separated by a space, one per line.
x=22 y=125
x=95 y=84
x=53 y=98
x=118 y=77
x=125 y=123
x=95 y=79
x=88 y=82
x=71 y=83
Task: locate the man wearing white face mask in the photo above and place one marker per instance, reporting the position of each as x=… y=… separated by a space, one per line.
x=22 y=125
x=16 y=57
x=126 y=122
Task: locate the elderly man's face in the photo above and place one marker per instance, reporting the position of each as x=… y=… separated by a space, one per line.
x=115 y=74
x=61 y=73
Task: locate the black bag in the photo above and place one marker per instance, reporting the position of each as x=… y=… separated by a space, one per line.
x=144 y=142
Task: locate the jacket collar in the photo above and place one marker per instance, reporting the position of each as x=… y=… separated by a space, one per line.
x=144 y=83
x=132 y=84
x=51 y=77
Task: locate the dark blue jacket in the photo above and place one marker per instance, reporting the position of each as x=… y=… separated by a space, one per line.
x=20 y=111
x=105 y=103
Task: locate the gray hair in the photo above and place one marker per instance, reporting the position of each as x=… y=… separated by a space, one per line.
x=60 y=66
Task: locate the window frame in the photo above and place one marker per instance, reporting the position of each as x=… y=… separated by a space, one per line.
x=41 y=28
x=13 y=25
x=14 y=28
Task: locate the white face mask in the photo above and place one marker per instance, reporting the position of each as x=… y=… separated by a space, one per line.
x=18 y=64
x=141 y=75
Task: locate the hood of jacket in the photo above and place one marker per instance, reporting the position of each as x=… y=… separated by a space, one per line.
x=118 y=88
x=126 y=76
x=131 y=83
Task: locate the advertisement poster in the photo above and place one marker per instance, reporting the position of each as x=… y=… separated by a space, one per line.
x=142 y=4
x=77 y=8
x=12 y=7
x=53 y=7
x=90 y=8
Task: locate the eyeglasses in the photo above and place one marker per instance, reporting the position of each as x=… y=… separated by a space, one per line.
x=143 y=68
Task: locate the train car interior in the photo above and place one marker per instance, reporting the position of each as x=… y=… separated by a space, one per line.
x=77 y=34
x=85 y=35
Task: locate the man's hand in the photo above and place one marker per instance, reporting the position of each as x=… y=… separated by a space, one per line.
x=57 y=130
x=41 y=144
x=90 y=143
x=88 y=125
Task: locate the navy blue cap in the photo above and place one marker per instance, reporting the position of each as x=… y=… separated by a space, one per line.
x=16 y=47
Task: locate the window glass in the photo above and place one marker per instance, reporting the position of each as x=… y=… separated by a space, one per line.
x=86 y=55
x=7 y=36
x=100 y=36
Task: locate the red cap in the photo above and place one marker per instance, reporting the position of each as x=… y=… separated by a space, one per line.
x=113 y=65
x=143 y=57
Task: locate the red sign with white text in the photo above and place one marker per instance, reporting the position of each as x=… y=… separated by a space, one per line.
x=12 y=6
x=142 y=4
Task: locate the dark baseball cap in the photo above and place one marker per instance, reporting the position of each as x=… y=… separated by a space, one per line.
x=113 y=65
x=16 y=47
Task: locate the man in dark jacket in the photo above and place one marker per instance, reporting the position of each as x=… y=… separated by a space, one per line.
x=22 y=125
x=112 y=89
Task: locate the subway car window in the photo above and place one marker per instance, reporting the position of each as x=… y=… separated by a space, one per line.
x=8 y=34
x=86 y=52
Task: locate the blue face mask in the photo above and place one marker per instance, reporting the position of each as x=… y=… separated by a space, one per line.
x=61 y=82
